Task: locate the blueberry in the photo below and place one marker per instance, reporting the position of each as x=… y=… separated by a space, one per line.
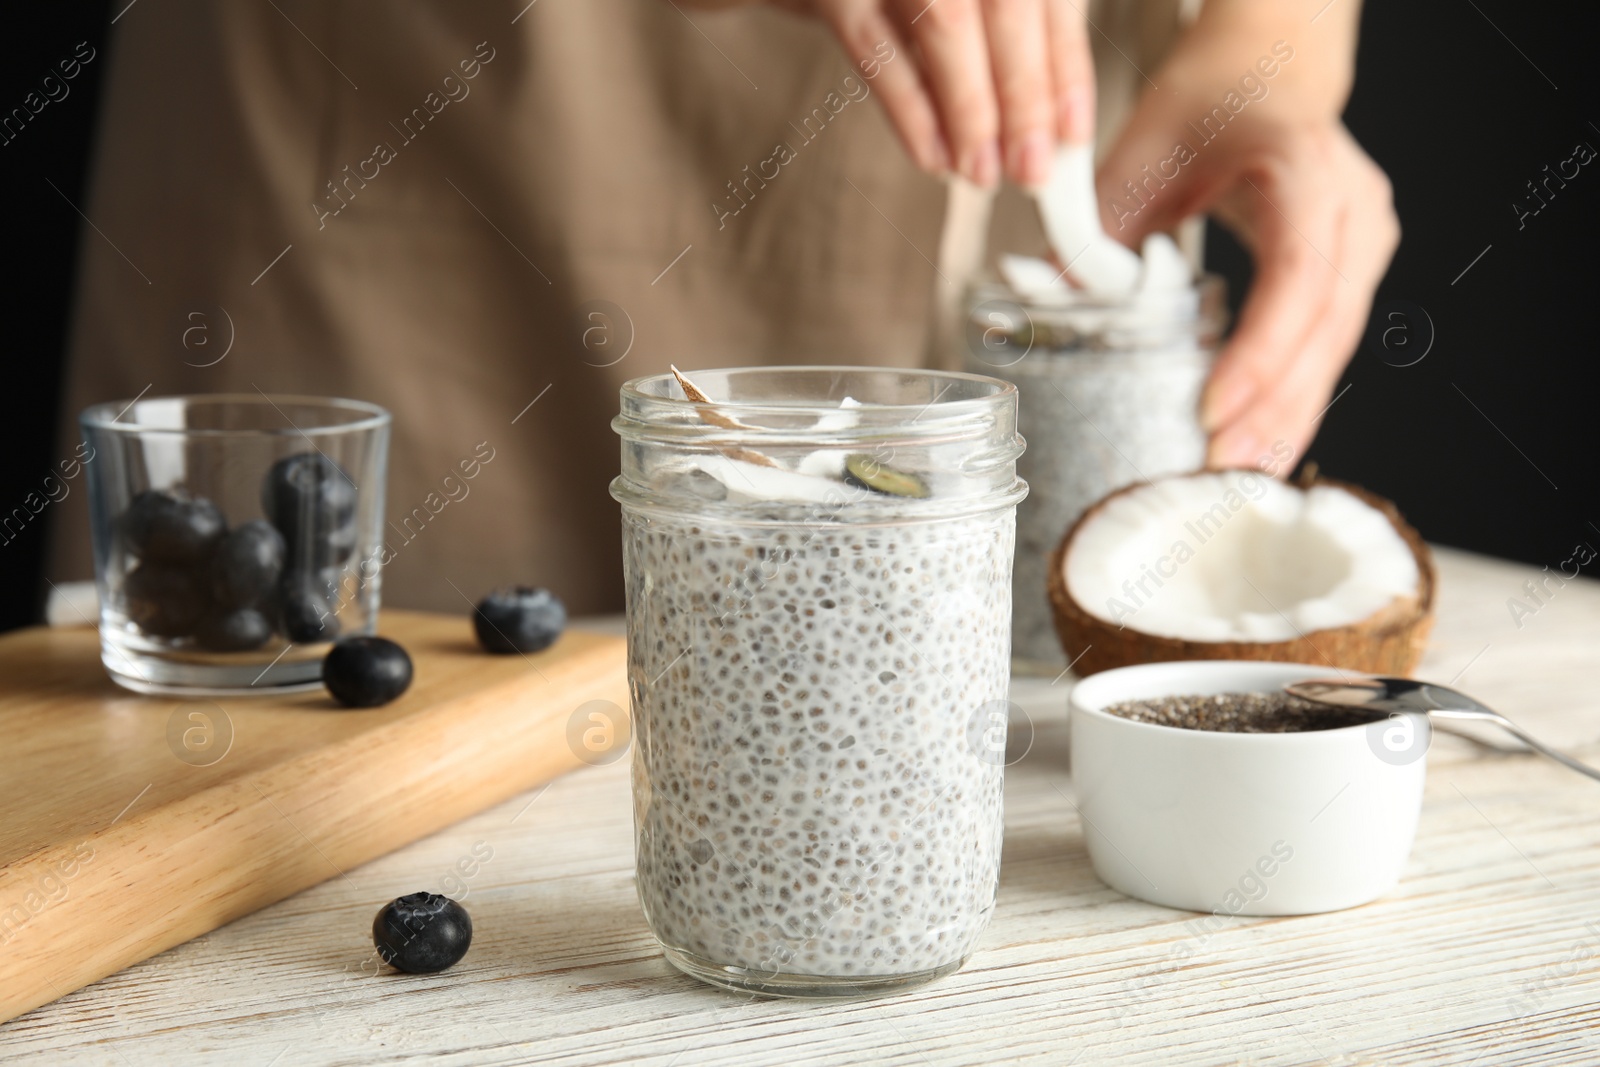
x=337 y=548
x=246 y=565
x=422 y=933
x=363 y=672
x=170 y=526
x=164 y=600
x=324 y=581
x=239 y=630
x=307 y=602
x=519 y=620
x=312 y=502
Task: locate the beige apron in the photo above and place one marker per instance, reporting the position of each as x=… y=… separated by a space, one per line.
x=487 y=217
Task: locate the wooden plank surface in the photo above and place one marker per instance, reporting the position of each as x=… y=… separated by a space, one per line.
x=1488 y=952
x=121 y=840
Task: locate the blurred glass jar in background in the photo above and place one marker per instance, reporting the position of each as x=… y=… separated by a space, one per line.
x=235 y=536
x=1109 y=395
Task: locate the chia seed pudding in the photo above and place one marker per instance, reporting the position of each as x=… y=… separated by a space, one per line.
x=1109 y=393
x=815 y=812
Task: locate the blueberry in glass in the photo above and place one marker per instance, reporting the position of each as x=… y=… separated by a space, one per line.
x=240 y=630
x=247 y=564
x=171 y=526
x=312 y=502
x=307 y=601
x=164 y=600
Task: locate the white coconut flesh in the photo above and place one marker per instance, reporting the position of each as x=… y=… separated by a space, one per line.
x=1238 y=556
x=1094 y=260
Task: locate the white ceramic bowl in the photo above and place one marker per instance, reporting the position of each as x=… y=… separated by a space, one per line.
x=1242 y=824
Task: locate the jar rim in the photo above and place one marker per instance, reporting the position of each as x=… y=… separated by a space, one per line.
x=1205 y=301
x=1077 y=323
x=653 y=406
x=357 y=415
x=638 y=387
x=954 y=432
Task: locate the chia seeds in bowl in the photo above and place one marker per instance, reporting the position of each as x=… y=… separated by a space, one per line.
x=811 y=815
x=1173 y=814
x=1241 y=713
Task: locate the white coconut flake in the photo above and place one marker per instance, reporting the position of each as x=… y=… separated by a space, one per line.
x=1105 y=268
x=843 y=419
x=1037 y=279
x=1165 y=267
x=1093 y=259
x=824 y=463
x=1237 y=556
x=829 y=462
x=753 y=483
x=1067 y=201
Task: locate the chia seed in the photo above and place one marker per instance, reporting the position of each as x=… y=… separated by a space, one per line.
x=1242 y=713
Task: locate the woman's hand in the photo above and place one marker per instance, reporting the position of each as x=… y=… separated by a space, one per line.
x=983 y=87
x=1287 y=178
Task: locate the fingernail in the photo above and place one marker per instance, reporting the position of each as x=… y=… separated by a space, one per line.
x=1224 y=400
x=983 y=166
x=1030 y=165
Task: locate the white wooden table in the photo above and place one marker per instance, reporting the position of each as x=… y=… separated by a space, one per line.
x=1488 y=953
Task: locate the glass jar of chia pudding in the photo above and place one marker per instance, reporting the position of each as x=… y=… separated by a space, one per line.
x=1109 y=392
x=818 y=571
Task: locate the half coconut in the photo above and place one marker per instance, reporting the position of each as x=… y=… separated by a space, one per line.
x=1236 y=565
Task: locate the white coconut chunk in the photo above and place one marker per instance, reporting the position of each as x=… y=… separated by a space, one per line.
x=1238 y=556
x=1071 y=217
x=1067 y=201
x=1165 y=266
x=843 y=419
x=1105 y=268
x=824 y=463
x=1037 y=279
x=829 y=463
x=752 y=482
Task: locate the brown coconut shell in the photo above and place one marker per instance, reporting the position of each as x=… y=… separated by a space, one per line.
x=1390 y=642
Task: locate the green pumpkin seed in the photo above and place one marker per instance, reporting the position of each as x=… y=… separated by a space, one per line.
x=865 y=472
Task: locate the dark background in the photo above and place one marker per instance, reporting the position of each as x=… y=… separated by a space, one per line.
x=1486 y=443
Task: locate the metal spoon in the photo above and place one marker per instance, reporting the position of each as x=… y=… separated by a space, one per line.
x=1394 y=695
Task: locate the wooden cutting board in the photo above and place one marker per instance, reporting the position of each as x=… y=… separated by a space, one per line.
x=134 y=823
